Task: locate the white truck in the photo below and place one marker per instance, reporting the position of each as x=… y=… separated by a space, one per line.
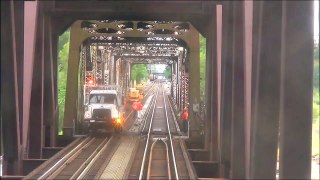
x=102 y=109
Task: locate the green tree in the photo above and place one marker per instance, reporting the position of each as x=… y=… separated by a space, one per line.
x=167 y=72
x=139 y=72
x=316 y=69
x=63 y=49
x=202 y=65
x=316 y=103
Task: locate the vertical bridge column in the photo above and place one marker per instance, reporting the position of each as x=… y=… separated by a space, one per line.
x=266 y=90
x=70 y=115
x=212 y=87
x=296 y=92
x=11 y=102
x=227 y=86
x=194 y=81
x=238 y=167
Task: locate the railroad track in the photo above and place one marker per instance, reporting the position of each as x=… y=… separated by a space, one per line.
x=159 y=151
x=69 y=163
x=130 y=119
x=125 y=156
x=159 y=161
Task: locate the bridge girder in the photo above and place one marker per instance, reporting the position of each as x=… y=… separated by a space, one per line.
x=281 y=97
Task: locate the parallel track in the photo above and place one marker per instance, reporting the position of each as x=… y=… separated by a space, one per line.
x=70 y=164
x=167 y=157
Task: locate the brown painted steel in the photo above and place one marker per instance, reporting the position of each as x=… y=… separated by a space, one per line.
x=36 y=130
x=296 y=95
x=194 y=79
x=238 y=119
x=70 y=115
x=267 y=90
x=18 y=25
x=227 y=98
x=30 y=21
x=49 y=98
x=248 y=11
x=29 y=87
x=212 y=89
x=9 y=101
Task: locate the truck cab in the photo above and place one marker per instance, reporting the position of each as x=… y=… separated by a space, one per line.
x=102 y=111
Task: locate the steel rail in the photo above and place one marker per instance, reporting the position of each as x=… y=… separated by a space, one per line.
x=167 y=157
x=148 y=137
x=170 y=138
x=83 y=166
x=54 y=174
x=149 y=110
x=63 y=159
x=149 y=90
x=174 y=117
x=94 y=159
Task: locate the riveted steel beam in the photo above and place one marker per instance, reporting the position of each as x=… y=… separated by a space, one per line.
x=193 y=70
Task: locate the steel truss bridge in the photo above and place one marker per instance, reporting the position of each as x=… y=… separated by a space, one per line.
x=259 y=61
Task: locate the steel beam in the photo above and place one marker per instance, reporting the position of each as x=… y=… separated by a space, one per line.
x=219 y=53
x=185 y=7
x=9 y=90
x=193 y=68
x=70 y=115
x=30 y=30
x=49 y=96
x=18 y=24
x=227 y=86
x=36 y=131
x=212 y=86
x=238 y=105
x=296 y=92
x=267 y=62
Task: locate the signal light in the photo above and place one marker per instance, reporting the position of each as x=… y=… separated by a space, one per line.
x=90 y=80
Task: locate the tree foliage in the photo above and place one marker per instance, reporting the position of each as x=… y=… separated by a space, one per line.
x=316 y=69
x=316 y=101
x=202 y=65
x=63 y=49
x=139 y=72
x=167 y=72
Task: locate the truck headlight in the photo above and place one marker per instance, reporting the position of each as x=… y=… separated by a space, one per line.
x=117 y=120
x=87 y=114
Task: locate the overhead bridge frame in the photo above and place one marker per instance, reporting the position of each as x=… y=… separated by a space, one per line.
x=259 y=78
